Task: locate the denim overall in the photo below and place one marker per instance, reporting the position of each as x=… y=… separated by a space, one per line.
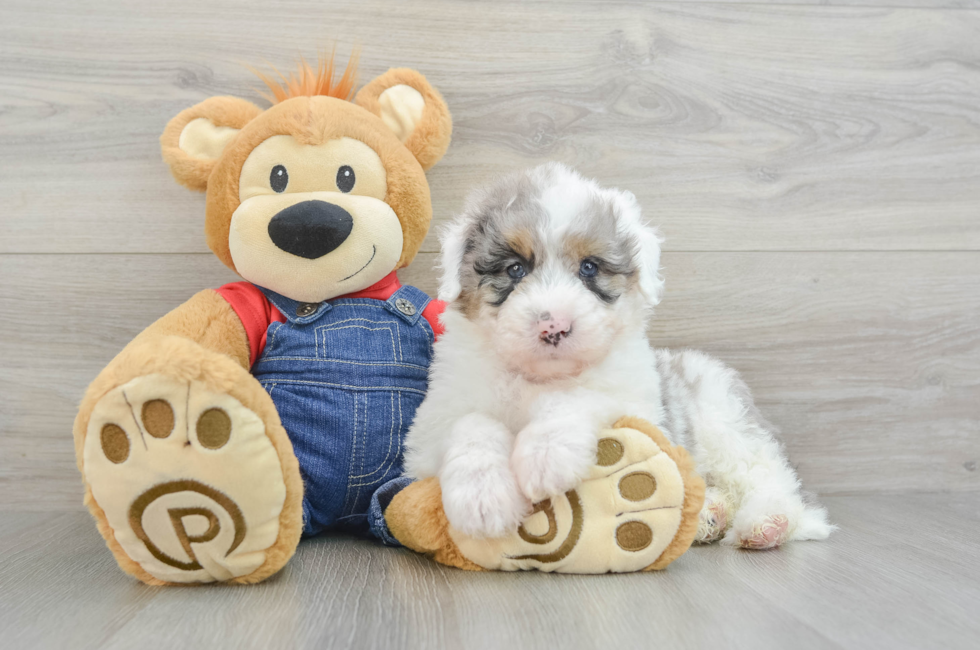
x=346 y=376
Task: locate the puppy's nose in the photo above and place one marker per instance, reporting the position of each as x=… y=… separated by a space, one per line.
x=551 y=330
x=310 y=229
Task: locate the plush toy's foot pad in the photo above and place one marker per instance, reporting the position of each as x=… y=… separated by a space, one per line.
x=638 y=510
x=190 y=484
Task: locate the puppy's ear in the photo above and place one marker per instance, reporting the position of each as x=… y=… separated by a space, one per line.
x=453 y=240
x=413 y=110
x=194 y=140
x=647 y=248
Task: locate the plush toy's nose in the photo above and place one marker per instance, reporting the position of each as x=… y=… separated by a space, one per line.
x=310 y=229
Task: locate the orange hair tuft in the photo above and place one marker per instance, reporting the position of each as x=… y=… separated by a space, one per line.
x=307 y=82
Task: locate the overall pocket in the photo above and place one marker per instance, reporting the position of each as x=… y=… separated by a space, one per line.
x=360 y=339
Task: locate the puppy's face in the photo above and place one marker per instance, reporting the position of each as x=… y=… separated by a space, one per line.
x=552 y=269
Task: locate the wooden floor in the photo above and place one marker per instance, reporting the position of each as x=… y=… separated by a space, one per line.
x=901 y=573
x=814 y=165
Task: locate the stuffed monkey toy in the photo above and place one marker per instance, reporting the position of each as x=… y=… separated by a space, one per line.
x=275 y=407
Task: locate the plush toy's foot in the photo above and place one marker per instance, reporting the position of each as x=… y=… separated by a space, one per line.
x=190 y=484
x=637 y=511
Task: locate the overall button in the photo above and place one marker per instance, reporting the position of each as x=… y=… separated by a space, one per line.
x=307 y=308
x=405 y=307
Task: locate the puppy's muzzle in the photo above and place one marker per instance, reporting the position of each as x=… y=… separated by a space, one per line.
x=310 y=229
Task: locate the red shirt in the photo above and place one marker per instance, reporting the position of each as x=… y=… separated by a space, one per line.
x=257 y=313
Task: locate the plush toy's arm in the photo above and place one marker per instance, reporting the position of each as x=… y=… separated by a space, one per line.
x=208 y=320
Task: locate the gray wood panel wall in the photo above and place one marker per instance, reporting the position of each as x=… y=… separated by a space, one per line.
x=815 y=169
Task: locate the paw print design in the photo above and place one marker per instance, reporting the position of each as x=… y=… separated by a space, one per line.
x=190 y=484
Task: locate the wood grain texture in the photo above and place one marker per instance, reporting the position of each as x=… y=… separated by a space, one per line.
x=815 y=165
x=867 y=362
x=739 y=127
x=901 y=573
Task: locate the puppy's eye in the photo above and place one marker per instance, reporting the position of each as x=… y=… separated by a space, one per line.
x=345 y=179
x=279 y=179
x=588 y=269
x=516 y=271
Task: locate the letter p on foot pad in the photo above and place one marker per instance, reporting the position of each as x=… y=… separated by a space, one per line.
x=189 y=483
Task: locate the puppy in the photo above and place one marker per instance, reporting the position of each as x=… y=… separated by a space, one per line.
x=551 y=281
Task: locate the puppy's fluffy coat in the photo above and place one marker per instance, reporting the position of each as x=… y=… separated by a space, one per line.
x=552 y=281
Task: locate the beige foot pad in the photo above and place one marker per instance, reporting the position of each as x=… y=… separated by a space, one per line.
x=189 y=483
x=638 y=510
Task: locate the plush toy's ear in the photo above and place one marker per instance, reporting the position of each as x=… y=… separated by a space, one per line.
x=193 y=141
x=413 y=110
x=648 y=240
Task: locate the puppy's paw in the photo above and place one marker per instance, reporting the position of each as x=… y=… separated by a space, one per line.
x=714 y=516
x=483 y=503
x=551 y=458
x=768 y=532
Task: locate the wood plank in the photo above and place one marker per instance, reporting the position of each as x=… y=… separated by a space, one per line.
x=868 y=362
x=888 y=579
x=59 y=585
x=740 y=127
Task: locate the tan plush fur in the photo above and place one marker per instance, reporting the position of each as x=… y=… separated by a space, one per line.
x=221 y=111
x=431 y=136
x=199 y=341
x=416 y=518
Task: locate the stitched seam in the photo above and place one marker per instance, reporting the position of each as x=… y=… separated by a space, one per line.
x=353 y=460
x=401 y=420
x=401 y=355
x=349 y=320
x=387 y=458
x=354 y=388
x=372 y=302
x=271 y=342
x=380 y=364
x=427 y=328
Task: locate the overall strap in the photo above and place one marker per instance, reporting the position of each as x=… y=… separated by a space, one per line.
x=408 y=303
x=297 y=313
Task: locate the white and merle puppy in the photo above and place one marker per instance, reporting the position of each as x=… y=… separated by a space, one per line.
x=551 y=281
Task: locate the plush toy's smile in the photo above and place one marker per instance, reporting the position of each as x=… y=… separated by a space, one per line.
x=374 y=251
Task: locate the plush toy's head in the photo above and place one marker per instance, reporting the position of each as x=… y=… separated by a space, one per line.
x=318 y=196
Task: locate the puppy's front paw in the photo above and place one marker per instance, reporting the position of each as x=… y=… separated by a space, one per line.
x=551 y=458
x=485 y=503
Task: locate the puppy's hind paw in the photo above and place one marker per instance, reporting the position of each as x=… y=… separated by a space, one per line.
x=713 y=518
x=769 y=532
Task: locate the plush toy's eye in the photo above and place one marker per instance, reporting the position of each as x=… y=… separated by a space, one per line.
x=516 y=271
x=279 y=179
x=588 y=269
x=345 y=179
